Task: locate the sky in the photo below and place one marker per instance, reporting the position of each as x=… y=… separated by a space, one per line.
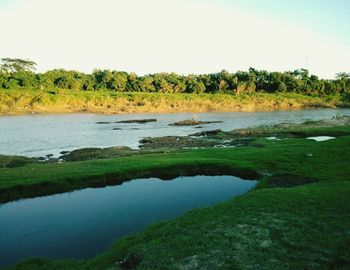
x=182 y=36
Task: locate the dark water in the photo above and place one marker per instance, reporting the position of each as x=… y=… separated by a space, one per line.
x=83 y=223
x=39 y=135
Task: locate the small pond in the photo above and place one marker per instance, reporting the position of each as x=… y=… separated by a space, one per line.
x=83 y=223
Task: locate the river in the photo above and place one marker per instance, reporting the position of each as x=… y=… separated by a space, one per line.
x=40 y=135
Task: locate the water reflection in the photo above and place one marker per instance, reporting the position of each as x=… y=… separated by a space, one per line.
x=84 y=223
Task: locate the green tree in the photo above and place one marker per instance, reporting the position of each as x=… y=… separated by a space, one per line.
x=12 y=65
x=118 y=81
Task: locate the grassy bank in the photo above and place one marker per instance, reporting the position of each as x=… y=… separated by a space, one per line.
x=65 y=101
x=287 y=158
x=298 y=217
x=303 y=227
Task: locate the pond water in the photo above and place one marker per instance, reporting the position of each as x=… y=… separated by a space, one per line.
x=39 y=135
x=321 y=138
x=83 y=223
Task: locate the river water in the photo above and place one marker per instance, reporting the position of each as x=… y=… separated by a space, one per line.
x=39 y=135
x=83 y=223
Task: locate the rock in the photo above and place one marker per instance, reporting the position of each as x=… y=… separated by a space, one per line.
x=97 y=153
x=103 y=123
x=138 y=121
x=193 y=122
x=206 y=133
x=145 y=140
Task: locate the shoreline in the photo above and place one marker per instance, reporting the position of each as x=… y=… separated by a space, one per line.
x=23 y=113
x=165 y=157
x=23 y=102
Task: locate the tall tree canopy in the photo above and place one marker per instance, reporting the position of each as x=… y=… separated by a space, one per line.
x=18 y=73
x=17 y=65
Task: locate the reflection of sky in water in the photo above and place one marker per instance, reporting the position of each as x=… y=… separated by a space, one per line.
x=321 y=138
x=82 y=223
x=38 y=135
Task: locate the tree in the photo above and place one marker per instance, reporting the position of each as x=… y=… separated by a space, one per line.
x=245 y=87
x=342 y=76
x=12 y=65
x=118 y=81
x=161 y=84
x=194 y=86
x=145 y=84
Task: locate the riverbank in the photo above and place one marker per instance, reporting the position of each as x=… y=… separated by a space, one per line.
x=296 y=218
x=69 y=101
x=245 y=153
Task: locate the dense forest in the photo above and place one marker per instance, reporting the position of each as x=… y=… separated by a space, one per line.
x=19 y=73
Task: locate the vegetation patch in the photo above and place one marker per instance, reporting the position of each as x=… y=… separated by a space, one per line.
x=288 y=180
x=20 y=101
x=15 y=161
x=97 y=153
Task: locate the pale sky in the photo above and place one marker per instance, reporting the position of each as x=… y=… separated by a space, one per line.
x=182 y=36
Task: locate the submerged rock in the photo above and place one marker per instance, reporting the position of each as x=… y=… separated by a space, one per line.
x=103 y=123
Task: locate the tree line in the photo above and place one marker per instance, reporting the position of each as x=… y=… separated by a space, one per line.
x=19 y=73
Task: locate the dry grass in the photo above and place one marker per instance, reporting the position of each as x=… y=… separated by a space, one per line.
x=66 y=101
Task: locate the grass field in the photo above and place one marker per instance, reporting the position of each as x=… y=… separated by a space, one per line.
x=297 y=218
x=65 y=101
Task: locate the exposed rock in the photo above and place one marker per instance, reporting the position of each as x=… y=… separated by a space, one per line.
x=145 y=140
x=97 y=153
x=103 y=123
x=137 y=121
x=193 y=122
x=207 y=133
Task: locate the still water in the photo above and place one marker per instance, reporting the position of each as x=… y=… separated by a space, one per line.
x=83 y=223
x=39 y=135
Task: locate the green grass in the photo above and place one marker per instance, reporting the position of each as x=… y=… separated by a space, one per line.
x=302 y=226
x=14 y=161
x=285 y=157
